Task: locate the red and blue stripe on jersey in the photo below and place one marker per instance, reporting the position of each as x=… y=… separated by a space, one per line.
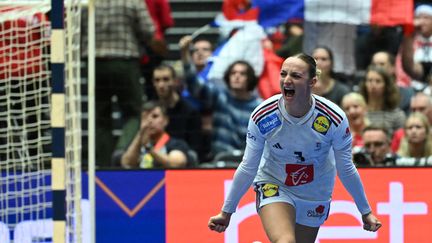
x=264 y=111
x=326 y=110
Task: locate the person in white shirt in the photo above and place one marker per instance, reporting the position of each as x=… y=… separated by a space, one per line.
x=416 y=43
x=296 y=142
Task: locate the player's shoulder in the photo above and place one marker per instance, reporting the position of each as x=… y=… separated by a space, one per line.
x=267 y=107
x=329 y=109
x=266 y=115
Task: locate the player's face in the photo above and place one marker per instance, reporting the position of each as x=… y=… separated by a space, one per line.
x=238 y=77
x=164 y=83
x=295 y=82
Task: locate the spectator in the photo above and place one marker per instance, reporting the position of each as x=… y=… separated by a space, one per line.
x=374 y=38
x=293 y=42
x=382 y=98
x=416 y=55
x=121 y=29
x=328 y=86
x=420 y=102
x=231 y=107
x=160 y=11
x=152 y=146
x=194 y=53
x=386 y=60
x=417 y=142
x=185 y=120
x=376 y=150
x=355 y=108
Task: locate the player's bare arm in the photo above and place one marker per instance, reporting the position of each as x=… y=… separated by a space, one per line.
x=220 y=222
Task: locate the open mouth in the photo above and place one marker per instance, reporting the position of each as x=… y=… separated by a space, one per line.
x=289 y=92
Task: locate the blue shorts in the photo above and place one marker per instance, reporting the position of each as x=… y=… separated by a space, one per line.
x=309 y=213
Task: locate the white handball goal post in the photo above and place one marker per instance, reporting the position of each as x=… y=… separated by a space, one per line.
x=40 y=121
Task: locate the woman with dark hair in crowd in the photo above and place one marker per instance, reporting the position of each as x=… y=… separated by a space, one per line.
x=328 y=85
x=382 y=98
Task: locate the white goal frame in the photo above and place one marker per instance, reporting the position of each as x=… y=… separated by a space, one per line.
x=58 y=164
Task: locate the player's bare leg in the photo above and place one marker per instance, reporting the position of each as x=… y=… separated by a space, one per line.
x=305 y=233
x=278 y=220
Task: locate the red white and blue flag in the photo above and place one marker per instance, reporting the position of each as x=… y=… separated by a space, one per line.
x=379 y=12
x=244 y=28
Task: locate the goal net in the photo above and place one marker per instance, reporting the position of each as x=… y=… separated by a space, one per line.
x=72 y=27
x=26 y=199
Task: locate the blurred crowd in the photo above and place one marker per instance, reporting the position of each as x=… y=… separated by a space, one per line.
x=193 y=112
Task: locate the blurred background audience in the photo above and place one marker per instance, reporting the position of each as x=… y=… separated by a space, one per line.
x=231 y=106
x=152 y=146
x=328 y=84
x=169 y=53
x=123 y=31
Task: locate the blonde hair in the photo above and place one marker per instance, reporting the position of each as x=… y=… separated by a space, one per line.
x=404 y=149
x=355 y=96
x=358 y=98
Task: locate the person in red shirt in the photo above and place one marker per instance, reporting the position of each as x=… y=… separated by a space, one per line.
x=160 y=12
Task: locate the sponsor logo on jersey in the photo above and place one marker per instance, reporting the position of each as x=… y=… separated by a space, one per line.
x=270 y=190
x=317 y=213
x=268 y=123
x=321 y=124
x=277 y=145
x=298 y=174
x=327 y=110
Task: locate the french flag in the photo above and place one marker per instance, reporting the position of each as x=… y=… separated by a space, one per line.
x=378 y=12
x=244 y=28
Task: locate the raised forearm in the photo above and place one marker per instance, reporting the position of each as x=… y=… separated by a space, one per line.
x=408 y=64
x=174 y=159
x=130 y=157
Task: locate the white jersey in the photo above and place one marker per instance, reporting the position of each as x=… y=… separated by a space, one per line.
x=302 y=154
